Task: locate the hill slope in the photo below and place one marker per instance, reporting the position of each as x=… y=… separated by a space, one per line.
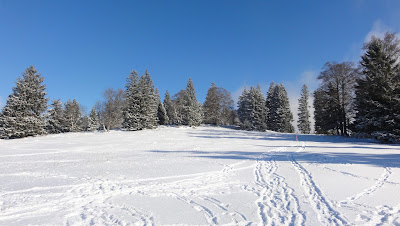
x=205 y=175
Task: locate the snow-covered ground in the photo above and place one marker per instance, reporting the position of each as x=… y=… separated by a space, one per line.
x=201 y=176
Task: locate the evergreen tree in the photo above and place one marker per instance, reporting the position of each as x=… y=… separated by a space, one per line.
x=170 y=109
x=303 y=123
x=22 y=115
x=179 y=100
x=94 y=120
x=192 y=110
x=72 y=116
x=149 y=103
x=212 y=114
x=258 y=109
x=279 y=115
x=377 y=93
x=133 y=101
x=162 y=117
x=56 y=118
x=270 y=106
x=244 y=110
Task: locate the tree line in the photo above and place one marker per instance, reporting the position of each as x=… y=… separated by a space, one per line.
x=360 y=100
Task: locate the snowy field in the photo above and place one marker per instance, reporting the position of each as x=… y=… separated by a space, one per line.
x=201 y=176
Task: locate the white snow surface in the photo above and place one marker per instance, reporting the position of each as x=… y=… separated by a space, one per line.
x=198 y=176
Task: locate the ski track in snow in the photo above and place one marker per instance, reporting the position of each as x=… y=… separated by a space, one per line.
x=276 y=202
x=323 y=207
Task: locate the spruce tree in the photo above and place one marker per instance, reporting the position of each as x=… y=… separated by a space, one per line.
x=22 y=115
x=133 y=101
x=212 y=114
x=73 y=116
x=170 y=109
x=149 y=103
x=270 y=107
x=192 y=110
x=56 y=121
x=303 y=123
x=377 y=93
x=162 y=117
x=244 y=110
x=258 y=109
x=94 y=120
x=279 y=115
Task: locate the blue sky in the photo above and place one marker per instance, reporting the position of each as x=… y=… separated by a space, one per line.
x=83 y=47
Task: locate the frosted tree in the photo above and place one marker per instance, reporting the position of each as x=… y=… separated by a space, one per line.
x=94 y=120
x=244 y=110
x=378 y=90
x=303 y=123
x=338 y=81
x=72 y=116
x=162 y=117
x=212 y=113
x=110 y=110
x=270 y=106
x=218 y=106
x=192 y=110
x=22 y=115
x=133 y=100
x=258 y=110
x=55 y=120
x=170 y=109
x=279 y=115
x=149 y=103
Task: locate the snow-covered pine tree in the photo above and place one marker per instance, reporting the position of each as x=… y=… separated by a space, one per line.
x=133 y=101
x=55 y=120
x=258 y=109
x=279 y=115
x=244 y=110
x=72 y=115
x=303 y=123
x=162 y=117
x=94 y=120
x=286 y=113
x=212 y=114
x=192 y=109
x=22 y=115
x=149 y=103
x=377 y=93
x=170 y=109
x=270 y=107
x=179 y=100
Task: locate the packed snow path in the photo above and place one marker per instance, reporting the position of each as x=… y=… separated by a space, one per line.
x=198 y=176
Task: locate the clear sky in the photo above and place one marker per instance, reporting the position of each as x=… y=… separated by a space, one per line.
x=83 y=47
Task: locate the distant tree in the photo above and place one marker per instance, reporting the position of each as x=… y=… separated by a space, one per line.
x=218 y=106
x=55 y=120
x=94 y=120
x=251 y=109
x=170 y=109
x=178 y=101
x=192 y=110
x=72 y=116
x=271 y=107
x=22 y=115
x=279 y=116
x=244 y=109
x=337 y=82
x=303 y=123
x=378 y=90
x=132 y=116
x=111 y=108
x=162 y=117
x=150 y=100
